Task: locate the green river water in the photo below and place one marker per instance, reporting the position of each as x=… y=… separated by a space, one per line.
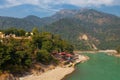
x=99 y=67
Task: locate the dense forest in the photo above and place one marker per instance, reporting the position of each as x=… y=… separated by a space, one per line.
x=18 y=55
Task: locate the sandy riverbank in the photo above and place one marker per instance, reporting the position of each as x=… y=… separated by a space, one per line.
x=55 y=74
x=97 y=51
x=109 y=52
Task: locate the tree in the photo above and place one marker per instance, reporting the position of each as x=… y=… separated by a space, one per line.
x=15 y=31
x=36 y=41
x=44 y=57
x=22 y=32
x=48 y=45
x=118 y=49
x=4 y=56
x=35 y=31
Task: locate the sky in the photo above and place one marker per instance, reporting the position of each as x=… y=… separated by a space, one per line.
x=44 y=8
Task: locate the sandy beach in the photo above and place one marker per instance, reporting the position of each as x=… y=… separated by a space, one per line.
x=104 y=51
x=55 y=74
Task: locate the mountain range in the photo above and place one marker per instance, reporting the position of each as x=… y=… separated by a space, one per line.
x=85 y=28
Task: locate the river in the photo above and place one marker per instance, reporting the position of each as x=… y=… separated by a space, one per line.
x=100 y=66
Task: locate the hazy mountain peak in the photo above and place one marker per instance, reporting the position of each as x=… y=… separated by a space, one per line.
x=74 y=11
x=70 y=13
x=65 y=12
x=32 y=16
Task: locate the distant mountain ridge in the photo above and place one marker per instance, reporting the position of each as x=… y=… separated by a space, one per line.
x=34 y=21
x=7 y=22
x=102 y=29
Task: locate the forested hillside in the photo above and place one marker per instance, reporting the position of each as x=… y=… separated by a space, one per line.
x=18 y=55
x=102 y=29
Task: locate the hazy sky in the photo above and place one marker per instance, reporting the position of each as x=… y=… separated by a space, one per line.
x=41 y=8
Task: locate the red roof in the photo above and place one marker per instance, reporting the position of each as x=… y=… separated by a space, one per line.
x=62 y=53
x=68 y=55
